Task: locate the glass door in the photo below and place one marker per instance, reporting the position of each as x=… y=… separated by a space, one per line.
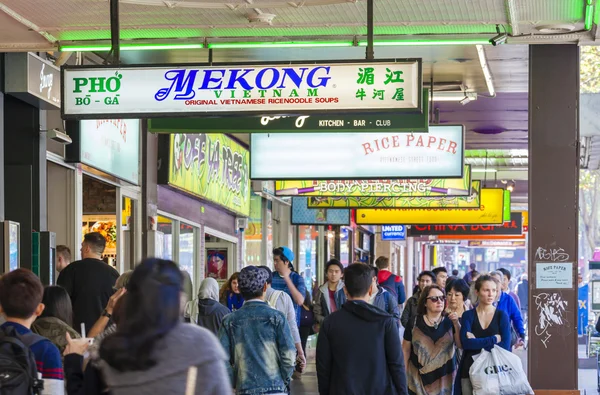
x=129 y=236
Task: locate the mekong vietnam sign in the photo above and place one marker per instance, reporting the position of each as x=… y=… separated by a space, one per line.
x=243 y=89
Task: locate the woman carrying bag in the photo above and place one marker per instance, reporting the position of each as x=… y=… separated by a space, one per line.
x=430 y=340
x=482 y=329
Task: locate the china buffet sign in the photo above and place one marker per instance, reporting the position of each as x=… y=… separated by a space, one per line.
x=94 y=91
x=213 y=167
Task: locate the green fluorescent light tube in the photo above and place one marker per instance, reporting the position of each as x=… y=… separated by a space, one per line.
x=129 y=47
x=468 y=41
x=282 y=44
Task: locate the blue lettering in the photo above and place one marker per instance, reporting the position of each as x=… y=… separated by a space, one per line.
x=274 y=79
x=233 y=78
x=179 y=82
x=322 y=80
x=296 y=79
x=208 y=79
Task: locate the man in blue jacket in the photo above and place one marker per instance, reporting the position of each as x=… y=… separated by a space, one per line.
x=358 y=349
x=388 y=280
x=507 y=304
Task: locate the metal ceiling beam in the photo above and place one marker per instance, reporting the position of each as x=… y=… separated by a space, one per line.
x=115 y=32
x=511 y=11
x=26 y=22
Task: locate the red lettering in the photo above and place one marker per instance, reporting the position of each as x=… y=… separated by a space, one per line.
x=409 y=139
x=385 y=142
x=368 y=149
x=395 y=141
x=452 y=147
x=420 y=142
x=441 y=145
x=431 y=141
x=377 y=145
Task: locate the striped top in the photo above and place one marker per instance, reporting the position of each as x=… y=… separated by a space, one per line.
x=432 y=364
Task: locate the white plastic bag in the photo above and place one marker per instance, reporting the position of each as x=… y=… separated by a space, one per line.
x=511 y=375
x=498 y=372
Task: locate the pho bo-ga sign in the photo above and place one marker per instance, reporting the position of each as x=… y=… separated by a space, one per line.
x=94 y=91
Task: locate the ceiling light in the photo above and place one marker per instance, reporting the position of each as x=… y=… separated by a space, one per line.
x=457 y=96
x=484 y=170
x=500 y=38
x=589 y=15
x=128 y=47
x=486 y=70
x=281 y=44
x=417 y=43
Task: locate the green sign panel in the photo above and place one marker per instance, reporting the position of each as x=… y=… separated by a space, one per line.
x=396 y=122
x=213 y=167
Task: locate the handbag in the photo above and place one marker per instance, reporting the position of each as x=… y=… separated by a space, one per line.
x=498 y=372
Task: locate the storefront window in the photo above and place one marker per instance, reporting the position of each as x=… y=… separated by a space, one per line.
x=164 y=238
x=186 y=249
x=253 y=234
x=307 y=260
x=345 y=245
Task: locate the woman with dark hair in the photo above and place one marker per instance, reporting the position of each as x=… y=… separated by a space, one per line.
x=152 y=351
x=457 y=292
x=57 y=318
x=230 y=295
x=429 y=345
x=482 y=328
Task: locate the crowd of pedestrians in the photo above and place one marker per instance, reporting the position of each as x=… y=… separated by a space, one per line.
x=141 y=333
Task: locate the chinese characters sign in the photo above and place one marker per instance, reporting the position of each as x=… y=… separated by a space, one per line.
x=471 y=201
x=326 y=156
x=92 y=91
x=213 y=167
x=112 y=146
x=512 y=227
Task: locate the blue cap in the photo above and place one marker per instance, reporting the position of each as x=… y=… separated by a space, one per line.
x=287 y=253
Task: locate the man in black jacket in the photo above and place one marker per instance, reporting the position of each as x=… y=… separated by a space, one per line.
x=89 y=282
x=358 y=349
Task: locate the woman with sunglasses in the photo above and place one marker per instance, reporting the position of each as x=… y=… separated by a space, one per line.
x=429 y=345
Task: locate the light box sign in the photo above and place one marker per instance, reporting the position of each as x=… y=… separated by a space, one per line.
x=302 y=215
x=326 y=156
x=247 y=89
x=512 y=227
x=490 y=212
x=393 y=232
x=112 y=146
x=213 y=167
x=377 y=188
x=471 y=201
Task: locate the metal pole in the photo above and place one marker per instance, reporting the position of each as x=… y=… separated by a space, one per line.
x=370 y=50
x=115 y=31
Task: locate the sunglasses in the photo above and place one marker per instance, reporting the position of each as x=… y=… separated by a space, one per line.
x=436 y=299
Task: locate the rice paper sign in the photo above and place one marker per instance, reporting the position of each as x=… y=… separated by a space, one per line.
x=553 y=275
x=213 y=167
x=326 y=156
x=471 y=201
x=248 y=89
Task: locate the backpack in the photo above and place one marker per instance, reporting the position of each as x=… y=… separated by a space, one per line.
x=272 y=301
x=18 y=369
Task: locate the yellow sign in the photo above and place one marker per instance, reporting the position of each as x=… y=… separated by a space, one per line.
x=490 y=212
x=446 y=202
x=211 y=166
x=377 y=188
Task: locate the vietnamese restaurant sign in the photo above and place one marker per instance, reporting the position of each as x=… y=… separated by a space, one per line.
x=213 y=167
x=244 y=89
x=326 y=156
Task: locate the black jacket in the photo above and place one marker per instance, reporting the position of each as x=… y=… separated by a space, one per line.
x=359 y=352
x=79 y=382
x=211 y=314
x=89 y=283
x=410 y=310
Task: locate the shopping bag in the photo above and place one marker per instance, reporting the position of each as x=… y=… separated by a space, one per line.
x=511 y=375
x=484 y=380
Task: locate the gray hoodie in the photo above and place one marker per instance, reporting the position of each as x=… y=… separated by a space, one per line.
x=185 y=346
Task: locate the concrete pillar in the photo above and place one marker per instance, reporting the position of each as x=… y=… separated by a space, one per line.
x=553 y=216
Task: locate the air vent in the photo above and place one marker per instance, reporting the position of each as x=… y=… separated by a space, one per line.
x=261 y=19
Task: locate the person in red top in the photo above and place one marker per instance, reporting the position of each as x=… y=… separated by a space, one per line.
x=330 y=296
x=388 y=280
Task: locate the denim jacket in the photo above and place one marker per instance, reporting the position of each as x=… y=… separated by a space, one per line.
x=261 y=351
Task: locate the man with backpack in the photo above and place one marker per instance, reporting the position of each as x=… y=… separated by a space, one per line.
x=281 y=301
x=21 y=350
x=389 y=281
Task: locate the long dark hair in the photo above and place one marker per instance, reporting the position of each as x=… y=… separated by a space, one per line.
x=422 y=303
x=58 y=304
x=227 y=286
x=151 y=310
